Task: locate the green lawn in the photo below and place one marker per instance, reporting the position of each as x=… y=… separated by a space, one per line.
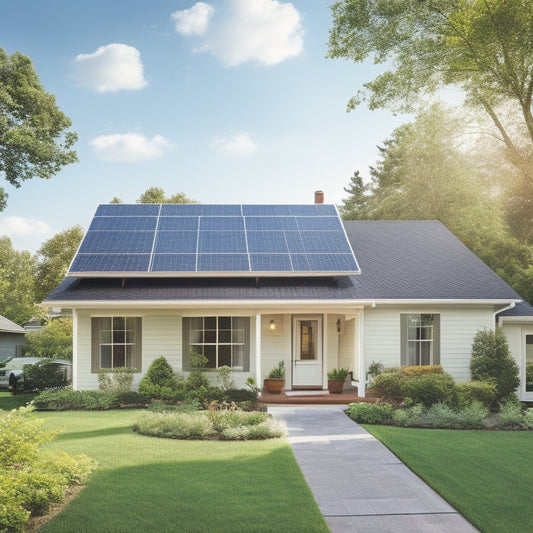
x=486 y=475
x=149 y=484
x=8 y=401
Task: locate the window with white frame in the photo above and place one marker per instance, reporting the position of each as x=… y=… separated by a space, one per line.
x=420 y=339
x=116 y=342
x=224 y=340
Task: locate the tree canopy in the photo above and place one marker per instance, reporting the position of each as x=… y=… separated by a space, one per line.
x=34 y=136
x=156 y=195
x=484 y=47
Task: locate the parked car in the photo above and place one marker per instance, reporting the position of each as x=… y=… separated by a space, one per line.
x=12 y=370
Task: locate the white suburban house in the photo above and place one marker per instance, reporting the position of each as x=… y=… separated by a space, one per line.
x=251 y=285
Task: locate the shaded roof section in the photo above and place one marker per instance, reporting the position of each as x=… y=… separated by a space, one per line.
x=519 y=310
x=7 y=326
x=399 y=260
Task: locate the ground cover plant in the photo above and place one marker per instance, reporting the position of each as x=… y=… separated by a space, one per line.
x=147 y=484
x=223 y=425
x=485 y=475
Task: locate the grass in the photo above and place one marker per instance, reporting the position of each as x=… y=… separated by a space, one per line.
x=8 y=401
x=151 y=484
x=485 y=475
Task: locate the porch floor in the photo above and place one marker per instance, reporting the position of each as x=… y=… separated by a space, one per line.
x=311 y=398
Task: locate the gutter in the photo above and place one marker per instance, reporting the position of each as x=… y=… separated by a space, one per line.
x=499 y=320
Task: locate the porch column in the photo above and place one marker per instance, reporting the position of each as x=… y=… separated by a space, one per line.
x=358 y=346
x=75 y=348
x=325 y=349
x=258 y=349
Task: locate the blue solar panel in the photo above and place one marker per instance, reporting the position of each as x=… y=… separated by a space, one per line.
x=270 y=223
x=223 y=263
x=270 y=262
x=123 y=223
x=111 y=263
x=219 y=242
x=118 y=242
x=124 y=210
x=178 y=223
x=184 y=242
x=221 y=223
x=266 y=242
x=187 y=239
x=174 y=263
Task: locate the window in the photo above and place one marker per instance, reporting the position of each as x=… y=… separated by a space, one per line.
x=116 y=342
x=224 y=340
x=420 y=339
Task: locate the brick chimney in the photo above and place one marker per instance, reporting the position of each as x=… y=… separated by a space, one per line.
x=319 y=197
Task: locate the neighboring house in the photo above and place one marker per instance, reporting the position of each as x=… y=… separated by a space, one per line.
x=139 y=289
x=11 y=338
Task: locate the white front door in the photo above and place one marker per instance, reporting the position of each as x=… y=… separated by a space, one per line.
x=526 y=370
x=307 y=351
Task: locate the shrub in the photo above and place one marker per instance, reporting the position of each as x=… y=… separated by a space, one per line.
x=160 y=382
x=195 y=380
x=43 y=375
x=241 y=395
x=421 y=370
x=491 y=359
x=370 y=413
x=224 y=377
x=174 y=425
x=62 y=399
x=428 y=388
x=116 y=380
x=440 y=415
x=388 y=385
x=511 y=416
x=467 y=392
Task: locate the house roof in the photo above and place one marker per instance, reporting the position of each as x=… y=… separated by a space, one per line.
x=7 y=326
x=399 y=260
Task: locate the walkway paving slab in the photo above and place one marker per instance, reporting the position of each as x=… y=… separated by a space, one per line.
x=358 y=483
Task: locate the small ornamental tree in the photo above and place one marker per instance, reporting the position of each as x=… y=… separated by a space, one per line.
x=492 y=361
x=53 y=342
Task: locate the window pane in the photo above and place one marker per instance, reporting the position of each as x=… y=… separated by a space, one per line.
x=412 y=355
x=196 y=322
x=130 y=356
x=210 y=322
x=211 y=353
x=224 y=336
x=104 y=323
x=237 y=336
x=224 y=322
x=130 y=323
x=426 y=332
x=119 y=355
x=413 y=320
x=130 y=336
x=105 y=336
x=119 y=322
x=412 y=333
x=224 y=355
x=210 y=336
x=118 y=336
x=196 y=336
x=105 y=356
x=426 y=349
x=237 y=362
x=426 y=320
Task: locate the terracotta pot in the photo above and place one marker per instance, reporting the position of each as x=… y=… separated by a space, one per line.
x=274 y=385
x=335 y=386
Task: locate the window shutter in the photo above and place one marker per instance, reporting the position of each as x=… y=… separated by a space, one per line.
x=186 y=329
x=138 y=344
x=95 y=345
x=436 y=339
x=403 y=340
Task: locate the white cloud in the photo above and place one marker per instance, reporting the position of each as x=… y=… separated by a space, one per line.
x=262 y=31
x=193 y=21
x=239 y=144
x=129 y=147
x=23 y=226
x=111 y=68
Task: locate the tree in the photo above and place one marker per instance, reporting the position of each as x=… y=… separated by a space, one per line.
x=53 y=341
x=34 y=141
x=156 y=195
x=53 y=260
x=355 y=206
x=116 y=200
x=17 y=294
x=492 y=360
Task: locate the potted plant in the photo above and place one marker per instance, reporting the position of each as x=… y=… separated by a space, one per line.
x=336 y=379
x=276 y=379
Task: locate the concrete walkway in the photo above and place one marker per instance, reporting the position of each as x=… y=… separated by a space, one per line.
x=358 y=483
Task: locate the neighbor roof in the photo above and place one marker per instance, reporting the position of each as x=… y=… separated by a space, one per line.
x=6 y=326
x=399 y=260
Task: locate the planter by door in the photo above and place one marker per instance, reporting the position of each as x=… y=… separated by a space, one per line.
x=274 y=385
x=335 y=386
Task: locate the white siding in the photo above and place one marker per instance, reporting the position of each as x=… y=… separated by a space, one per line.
x=457 y=330
x=347 y=358
x=276 y=345
x=331 y=343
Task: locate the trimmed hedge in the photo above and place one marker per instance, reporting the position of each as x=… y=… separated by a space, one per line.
x=467 y=392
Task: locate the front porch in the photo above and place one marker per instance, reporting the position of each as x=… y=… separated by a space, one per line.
x=310 y=398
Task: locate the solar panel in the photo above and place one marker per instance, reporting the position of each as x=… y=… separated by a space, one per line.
x=199 y=239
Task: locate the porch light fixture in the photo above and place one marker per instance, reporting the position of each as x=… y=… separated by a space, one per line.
x=272 y=326
x=338 y=325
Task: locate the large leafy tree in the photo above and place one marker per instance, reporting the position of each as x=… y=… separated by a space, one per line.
x=54 y=341
x=34 y=136
x=156 y=195
x=431 y=169
x=53 y=259
x=17 y=284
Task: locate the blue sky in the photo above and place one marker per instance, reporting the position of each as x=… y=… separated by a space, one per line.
x=227 y=101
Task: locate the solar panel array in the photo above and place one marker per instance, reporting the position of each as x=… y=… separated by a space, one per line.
x=201 y=240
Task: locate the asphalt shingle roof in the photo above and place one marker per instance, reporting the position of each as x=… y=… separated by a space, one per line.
x=7 y=326
x=398 y=259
